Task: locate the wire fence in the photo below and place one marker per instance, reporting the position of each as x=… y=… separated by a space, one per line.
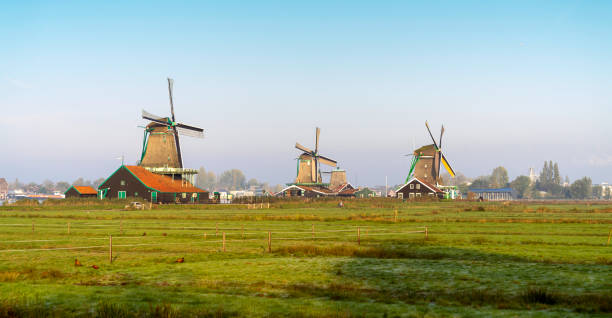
x=239 y=235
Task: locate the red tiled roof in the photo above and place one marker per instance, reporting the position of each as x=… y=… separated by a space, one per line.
x=85 y=190
x=160 y=182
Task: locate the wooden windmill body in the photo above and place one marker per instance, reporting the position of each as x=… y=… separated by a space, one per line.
x=309 y=163
x=161 y=151
x=427 y=161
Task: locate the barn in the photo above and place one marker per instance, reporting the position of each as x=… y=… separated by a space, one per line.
x=138 y=182
x=416 y=188
x=80 y=192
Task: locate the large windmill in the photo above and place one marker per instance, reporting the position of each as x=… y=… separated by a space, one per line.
x=309 y=169
x=426 y=161
x=161 y=148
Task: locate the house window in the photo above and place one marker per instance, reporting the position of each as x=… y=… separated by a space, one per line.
x=411 y=195
x=418 y=194
x=121 y=194
x=426 y=175
x=122 y=182
x=411 y=186
x=194 y=195
x=184 y=195
x=418 y=186
x=400 y=195
x=135 y=194
x=425 y=165
x=430 y=194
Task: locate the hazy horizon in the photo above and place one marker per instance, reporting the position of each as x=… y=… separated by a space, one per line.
x=514 y=84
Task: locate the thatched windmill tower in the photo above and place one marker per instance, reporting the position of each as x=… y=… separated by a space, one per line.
x=426 y=161
x=161 y=150
x=309 y=170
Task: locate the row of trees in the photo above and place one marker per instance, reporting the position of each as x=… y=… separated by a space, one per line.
x=548 y=184
x=48 y=186
x=233 y=179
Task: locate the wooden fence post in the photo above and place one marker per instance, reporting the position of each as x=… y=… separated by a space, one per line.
x=204 y=235
x=395 y=216
x=110 y=249
x=609 y=235
x=358 y=236
x=223 y=241
x=68 y=228
x=269 y=242
x=426 y=233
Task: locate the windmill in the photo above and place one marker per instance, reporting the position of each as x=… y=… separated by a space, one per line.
x=426 y=161
x=161 y=147
x=309 y=170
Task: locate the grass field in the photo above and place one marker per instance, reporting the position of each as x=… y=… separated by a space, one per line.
x=478 y=260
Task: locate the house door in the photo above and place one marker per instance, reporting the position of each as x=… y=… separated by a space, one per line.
x=121 y=194
x=154 y=196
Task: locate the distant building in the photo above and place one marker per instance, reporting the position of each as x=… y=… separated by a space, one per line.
x=365 y=193
x=533 y=177
x=417 y=188
x=3 y=189
x=138 y=182
x=80 y=192
x=502 y=194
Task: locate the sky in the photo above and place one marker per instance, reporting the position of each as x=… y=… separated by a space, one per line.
x=514 y=83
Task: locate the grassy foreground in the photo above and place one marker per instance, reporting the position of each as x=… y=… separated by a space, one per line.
x=366 y=259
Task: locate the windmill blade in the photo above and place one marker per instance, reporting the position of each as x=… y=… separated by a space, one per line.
x=147 y=115
x=317 y=140
x=178 y=147
x=432 y=137
x=441 y=133
x=161 y=122
x=302 y=148
x=189 y=132
x=170 y=86
x=313 y=176
x=327 y=161
x=189 y=127
x=447 y=166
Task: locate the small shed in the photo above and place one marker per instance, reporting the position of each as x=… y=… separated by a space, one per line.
x=501 y=194
x=80 y=192
x=417 y=188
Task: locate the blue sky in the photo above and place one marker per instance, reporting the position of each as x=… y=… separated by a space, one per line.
x=514 y=83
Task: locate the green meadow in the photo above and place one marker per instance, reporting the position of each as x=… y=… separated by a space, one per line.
x=371 y=258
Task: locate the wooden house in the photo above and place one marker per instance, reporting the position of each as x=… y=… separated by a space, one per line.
x=138 y=182
x=417 y=188
x=80 y=192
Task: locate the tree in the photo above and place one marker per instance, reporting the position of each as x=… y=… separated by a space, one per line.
x=96 y=183
x=499 y=177
x=581 y=189
x=62 y=186
x=556 y=176
x=81 y=182
x=481 y=182
x=206 y=180
x=232 y=179
x=522 y=186
x=252 y=183
x=47 y=186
